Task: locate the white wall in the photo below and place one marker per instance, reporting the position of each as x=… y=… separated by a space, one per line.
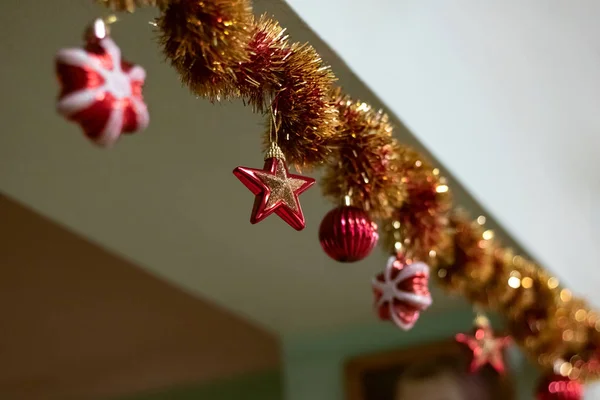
x=505 y=94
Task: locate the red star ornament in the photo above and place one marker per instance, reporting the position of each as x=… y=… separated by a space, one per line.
x=276 y=190
x=486 y=348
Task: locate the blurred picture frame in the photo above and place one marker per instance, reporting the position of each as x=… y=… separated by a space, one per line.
x=378 y=376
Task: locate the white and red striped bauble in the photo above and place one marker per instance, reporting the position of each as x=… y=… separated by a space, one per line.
x=402 y=291
x=100 y=91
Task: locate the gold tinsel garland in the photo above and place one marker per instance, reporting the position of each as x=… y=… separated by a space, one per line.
x=206 y=41
x=221 y=51
x=365 y=160
x=291 y=80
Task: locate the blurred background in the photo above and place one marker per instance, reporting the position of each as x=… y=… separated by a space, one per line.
x=134 y=273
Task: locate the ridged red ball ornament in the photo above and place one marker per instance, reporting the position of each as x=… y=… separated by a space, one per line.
x=347 y=234
x=556 y=387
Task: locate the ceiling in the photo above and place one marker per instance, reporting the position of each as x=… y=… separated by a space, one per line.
x=167 y=199
x=505 y=94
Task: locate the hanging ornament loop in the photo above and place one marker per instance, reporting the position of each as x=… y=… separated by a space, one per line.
x=99 y=29
x=274 y=151
x=273 y=125
x=347 y=200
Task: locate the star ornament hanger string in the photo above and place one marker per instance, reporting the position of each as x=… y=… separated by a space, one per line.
x=276 y=190
x=486 y=348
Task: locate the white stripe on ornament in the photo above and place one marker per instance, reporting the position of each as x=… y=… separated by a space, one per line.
x=78 y=101
x=112 y=129
x=411 y=270
x=389 y=292
x=78 y=58
x=137 y=73
x=141 y=113
x=415 y=299
x=113 y=51
x=399 y=322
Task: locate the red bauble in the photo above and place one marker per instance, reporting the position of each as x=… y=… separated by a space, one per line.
x=276 y=191
x=100 y=91
x=556 y=387
x=401 y=291
x=347 y=234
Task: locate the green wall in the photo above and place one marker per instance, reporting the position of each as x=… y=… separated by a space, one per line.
x=314 y=363
x=264 y=386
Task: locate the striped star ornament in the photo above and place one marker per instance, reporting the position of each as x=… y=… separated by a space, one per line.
x=402 y=291
x=100 y=91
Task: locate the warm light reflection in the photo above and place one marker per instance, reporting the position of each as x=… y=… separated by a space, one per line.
x=574 y=374
x=518 y=260
x=527 y=282
x=488 y=235
x=99 y=29
x=442 y=189
x=514 y=282
x=565 y=295
x=580 y=315
x=363 y=107
x=553 y=283
x=565 y=369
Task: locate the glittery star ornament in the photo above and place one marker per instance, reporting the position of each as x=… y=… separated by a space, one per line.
x=99 y=90
x=486 y=348
x=401 y=291
x=276 y=190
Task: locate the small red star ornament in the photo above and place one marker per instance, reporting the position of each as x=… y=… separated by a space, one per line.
x=486 y=348
x=276 y=190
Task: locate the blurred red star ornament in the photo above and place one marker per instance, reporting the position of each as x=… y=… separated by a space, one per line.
x=486 y=348
x=276 y=190
x=401 y=291
x=99 y=90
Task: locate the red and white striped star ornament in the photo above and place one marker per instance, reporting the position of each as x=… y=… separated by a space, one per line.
x=402 y=292
x=99 y=90
x=486 y=348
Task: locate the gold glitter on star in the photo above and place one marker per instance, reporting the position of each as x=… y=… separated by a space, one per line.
x=283 y=187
